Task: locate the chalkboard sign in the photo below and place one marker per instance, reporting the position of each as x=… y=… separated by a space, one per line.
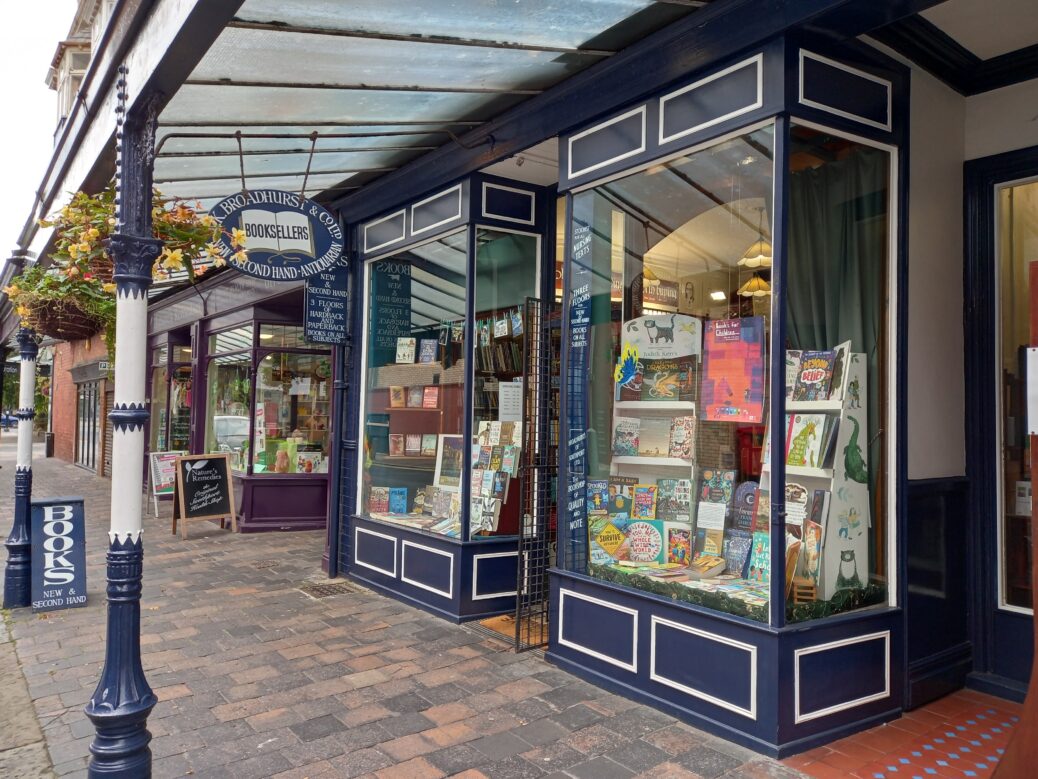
x=58 y=554
x=326 y=310
x=203 y=490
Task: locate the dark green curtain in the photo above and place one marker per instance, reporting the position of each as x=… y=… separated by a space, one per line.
x=837 y=280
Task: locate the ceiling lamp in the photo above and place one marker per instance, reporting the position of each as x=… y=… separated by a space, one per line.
x=718 y=295
x=648 y=274
x=756 y=287
x=759 y=253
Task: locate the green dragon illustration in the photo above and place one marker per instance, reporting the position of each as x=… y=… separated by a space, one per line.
x=853 y=462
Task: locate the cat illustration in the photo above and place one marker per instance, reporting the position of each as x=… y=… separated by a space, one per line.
x=662 y=333
x=848 y=578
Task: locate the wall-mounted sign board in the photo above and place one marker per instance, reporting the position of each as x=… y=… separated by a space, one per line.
x=277 y=236
x=203 y=490
x=326 y=309
x=58 y=554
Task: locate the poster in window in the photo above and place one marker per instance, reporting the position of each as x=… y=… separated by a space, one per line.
x=449 y=461
x=732 y=388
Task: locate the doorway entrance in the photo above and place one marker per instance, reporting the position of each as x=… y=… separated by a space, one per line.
x=1001 y=302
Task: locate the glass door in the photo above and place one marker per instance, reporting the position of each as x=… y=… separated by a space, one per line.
x=1017 y=248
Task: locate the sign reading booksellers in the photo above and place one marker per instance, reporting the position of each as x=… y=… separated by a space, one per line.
x=58 y=554
x=277 y=236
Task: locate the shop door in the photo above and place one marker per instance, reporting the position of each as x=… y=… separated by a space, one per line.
x=1001 y=302
x=539 y=472
x=88 y=424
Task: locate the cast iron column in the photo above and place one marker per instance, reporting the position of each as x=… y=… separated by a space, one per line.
x=17 y=584
x=120 y=705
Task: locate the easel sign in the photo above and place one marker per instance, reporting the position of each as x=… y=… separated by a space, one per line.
x=203 y=490
x=163 y=470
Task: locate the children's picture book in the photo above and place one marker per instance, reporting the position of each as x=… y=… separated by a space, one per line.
x=497 y=454
x=732 y=384
x=483 y=461
x=414 y=397
x=762 y=515
x=644 y=506
x=597 y=496
x=405 y=350
x=792 y=370
x=510 y=459
x=683 y=438
x=499 y=487
x=607 y=536
x=645 y=541
x=797 y=497
x=805 y=440
x=450 y=456
x=706 y=566
x=760 y=558
x=476 y=482
x=431 y=397
x=378 y=500
x=812 y=555
x=745 y=505
x=668 y=380
x=516 y=316
x=397 y=397
x=736 y=550
x=717 y=486
x=396 y=444
x=819 y=510
x=621 y=493
x=428 y=350
x=625 y=436
x=841 y=363
x=816 y=373
x=413 y=444
x=487 y=487
x=398 y=500
x=664 y=336
x=428 y=444
x=673 y=500
x=419 y=501
x=679 y=542
x=654 y=436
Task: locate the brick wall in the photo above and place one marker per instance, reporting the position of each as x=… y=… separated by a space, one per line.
x=63 y=402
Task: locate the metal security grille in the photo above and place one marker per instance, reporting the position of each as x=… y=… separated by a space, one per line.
x=539 y=471
x=88 y=427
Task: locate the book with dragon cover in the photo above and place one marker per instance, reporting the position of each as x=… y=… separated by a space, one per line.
x=668 y=380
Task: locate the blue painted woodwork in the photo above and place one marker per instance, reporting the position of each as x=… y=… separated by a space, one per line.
x=733 y=91
x=835 y=87
x=18 y=568
x=508 y=203
x=598 y=628
x=456 y=580
x=437 y=211
x=839 y=673
x=1002 y=640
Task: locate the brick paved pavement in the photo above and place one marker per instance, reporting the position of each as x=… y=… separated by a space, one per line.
x=256 y=679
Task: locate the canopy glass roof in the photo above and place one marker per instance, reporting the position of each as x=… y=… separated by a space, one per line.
x=379 y=83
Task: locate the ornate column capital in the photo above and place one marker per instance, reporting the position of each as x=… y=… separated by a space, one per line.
x=28 y=347
x=133 y=257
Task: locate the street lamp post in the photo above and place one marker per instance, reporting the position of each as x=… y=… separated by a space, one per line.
x=17 y=573
x=120 y=705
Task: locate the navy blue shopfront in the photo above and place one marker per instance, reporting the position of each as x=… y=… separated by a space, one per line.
x=442 y=284
x=777 y=675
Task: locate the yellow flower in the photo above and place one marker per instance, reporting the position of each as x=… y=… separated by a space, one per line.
x=173 y=260
x=22 y=311
x=11 y=290
x=85 y=246
x=208 y=221
x=109 y=287
x=240 y=257
x=212 y=250
x=73 y=250
x=237 y=237
x=93 y=234
x=111 y=220
x=218 y=261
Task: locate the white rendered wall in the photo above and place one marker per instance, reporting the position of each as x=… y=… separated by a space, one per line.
x=1002 y=120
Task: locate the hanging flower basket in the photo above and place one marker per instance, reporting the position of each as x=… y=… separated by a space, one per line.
x=65 y=320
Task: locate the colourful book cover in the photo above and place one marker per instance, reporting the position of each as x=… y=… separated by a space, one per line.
x=797 y=499
x=510 y=459
x=841 y=363
x=654 y=437
x=607 y=536
x=484 y=456
x=413 y=444
x=717 y=486
x=397 y=397
x=431 y=397
x=679 y=543
x=812 y=551
x=621 y=493
x=428 y=350
x=816 y=373
x=396 y=444
x=760 y=558
x=487 y=487
x=398 y=500
x=683 y=438
x=745 y=505
x=645 y=541
x=516 y=316
x=667 y=380
x=644 y=506
x=736 y=550
x=709 y=542
x=378 y=499
x=805 y=440
x=597 y=496
x=428 y=444
x=496 y=457
x=792 y=370
x=405 y=350
x=625 y=436
x=732 y=385
x=476 y=483
x=499 y=486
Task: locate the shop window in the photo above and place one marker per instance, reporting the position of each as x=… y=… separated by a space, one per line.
x=292 y=413
x=180 y=409
x=673 y=265
x=227 y=410
x=414 y=454
x=231 y=340
x=285 y=336
x=159 y=397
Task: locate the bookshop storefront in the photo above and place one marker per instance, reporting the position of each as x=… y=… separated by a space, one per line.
x=231 y=373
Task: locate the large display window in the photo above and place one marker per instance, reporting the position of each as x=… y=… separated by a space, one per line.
x=672 y=269
x=417 y=462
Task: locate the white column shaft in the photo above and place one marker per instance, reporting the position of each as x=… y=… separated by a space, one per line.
x=131 y=331
x=26 y=401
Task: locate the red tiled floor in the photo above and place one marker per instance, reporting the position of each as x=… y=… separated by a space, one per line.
x=962 y=735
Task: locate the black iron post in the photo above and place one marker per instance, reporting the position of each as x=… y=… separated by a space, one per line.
x=120 y=705
x=17 y=573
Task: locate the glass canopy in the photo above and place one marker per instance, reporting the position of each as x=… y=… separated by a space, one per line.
x=379 y=83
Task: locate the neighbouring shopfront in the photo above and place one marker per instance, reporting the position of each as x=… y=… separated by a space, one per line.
x=232 y=373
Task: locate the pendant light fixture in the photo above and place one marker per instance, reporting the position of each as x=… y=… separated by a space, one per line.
x=756 y=287
x=759 y=253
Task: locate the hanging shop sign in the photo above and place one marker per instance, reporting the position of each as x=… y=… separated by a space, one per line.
x=326 y=310
x=58 y=554
x=277 y=236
